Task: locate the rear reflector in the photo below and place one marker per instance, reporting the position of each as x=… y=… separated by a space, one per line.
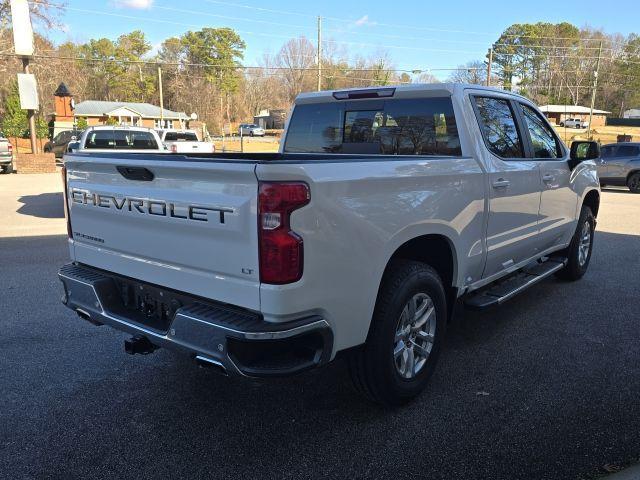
x=66 y=201
x=367 y=93
x=281 y=249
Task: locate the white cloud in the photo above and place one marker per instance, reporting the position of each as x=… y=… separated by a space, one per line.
x=135 y=4
x=363 y=21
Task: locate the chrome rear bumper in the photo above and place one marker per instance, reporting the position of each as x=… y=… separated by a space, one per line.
x=237 y=341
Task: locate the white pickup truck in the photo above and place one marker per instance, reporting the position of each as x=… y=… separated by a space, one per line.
x=384 y=209
x=111 y=138
x=184 y=141
x=574 y=123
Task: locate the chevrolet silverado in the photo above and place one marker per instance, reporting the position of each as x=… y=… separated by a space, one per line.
x=384 y=209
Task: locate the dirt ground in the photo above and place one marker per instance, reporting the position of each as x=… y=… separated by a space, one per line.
x=604 y=135
x=252 y=145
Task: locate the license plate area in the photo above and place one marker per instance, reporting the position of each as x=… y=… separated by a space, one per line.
x=149 y=305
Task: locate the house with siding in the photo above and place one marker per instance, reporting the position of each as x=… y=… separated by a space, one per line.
x=559 y=113
x=98 y=112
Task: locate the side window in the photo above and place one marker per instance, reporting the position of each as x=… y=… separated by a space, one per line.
x=544 y=141
x=627 y=151
x=498 y=127
x=607 y=152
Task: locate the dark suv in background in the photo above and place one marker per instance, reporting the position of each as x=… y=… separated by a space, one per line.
x=620 y=165
x=58 y=145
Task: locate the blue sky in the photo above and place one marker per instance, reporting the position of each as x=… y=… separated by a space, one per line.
x=417 y=35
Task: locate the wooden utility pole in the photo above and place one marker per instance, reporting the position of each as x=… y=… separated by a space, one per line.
x=319 y=53
x=30 y=114
x=488 y=82
x=595 y=87
x=161 y=97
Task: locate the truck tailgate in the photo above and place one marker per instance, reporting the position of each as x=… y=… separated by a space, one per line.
x=192 y=227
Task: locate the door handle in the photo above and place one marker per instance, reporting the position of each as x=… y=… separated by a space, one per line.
x=501 y=183
x=135 y=173
x=548 y=178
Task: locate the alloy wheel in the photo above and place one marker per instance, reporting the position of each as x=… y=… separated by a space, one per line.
x=415 y=335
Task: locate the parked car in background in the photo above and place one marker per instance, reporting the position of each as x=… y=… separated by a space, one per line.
x=574 y=123
x=384 y=207
x=58 y=144
x=108 y=138
x=620 y=165
x=184 y=141
x=250 y=129
x=6 y=154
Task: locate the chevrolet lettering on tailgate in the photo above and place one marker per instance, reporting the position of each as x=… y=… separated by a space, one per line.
x=146 y=206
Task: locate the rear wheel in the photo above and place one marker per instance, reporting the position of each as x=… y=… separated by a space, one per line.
x=634 y=183
x=405 y=337
x=579 y=251
x=7 y=168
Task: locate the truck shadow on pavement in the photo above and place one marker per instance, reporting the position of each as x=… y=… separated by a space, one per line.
x=44 y=205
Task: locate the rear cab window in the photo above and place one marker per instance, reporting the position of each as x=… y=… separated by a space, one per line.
x=424 y=126
x=180 y=137
x=120 y=140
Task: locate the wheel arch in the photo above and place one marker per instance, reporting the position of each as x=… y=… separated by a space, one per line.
x=592 y=200
x=436 y=250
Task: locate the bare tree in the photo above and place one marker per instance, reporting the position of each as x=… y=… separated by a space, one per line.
x=295 y=59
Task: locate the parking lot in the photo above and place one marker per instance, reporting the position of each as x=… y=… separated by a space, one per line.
x=545 y=387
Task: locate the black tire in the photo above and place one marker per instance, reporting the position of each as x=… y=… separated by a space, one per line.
x=8 y=168
x=576 y=268
x=251 y=134
x=633 y=182
x=373 y=367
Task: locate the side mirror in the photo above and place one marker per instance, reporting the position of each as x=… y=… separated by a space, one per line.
x=73 y=146
x=582 y=151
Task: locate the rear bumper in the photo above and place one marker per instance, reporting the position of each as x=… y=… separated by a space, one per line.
x=6 y=160
x=235 y=340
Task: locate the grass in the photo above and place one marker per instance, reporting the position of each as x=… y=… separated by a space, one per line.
x=602 y=134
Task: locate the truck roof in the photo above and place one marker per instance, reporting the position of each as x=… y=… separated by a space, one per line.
x=119 y=127
x=412 y=90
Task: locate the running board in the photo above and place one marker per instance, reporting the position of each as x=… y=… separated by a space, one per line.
x=498 y=293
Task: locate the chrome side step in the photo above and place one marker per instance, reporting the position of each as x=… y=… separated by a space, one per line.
x=500 y=292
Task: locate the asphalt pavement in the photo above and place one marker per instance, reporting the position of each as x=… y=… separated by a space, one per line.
x=546 y=387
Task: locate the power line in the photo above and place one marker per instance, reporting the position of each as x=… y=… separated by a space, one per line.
x=226 y=17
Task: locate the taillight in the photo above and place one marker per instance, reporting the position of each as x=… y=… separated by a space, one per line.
x=67 y=216
x=10 y=148
x=281 y=249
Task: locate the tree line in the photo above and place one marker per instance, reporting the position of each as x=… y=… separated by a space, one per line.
x=203 y=71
